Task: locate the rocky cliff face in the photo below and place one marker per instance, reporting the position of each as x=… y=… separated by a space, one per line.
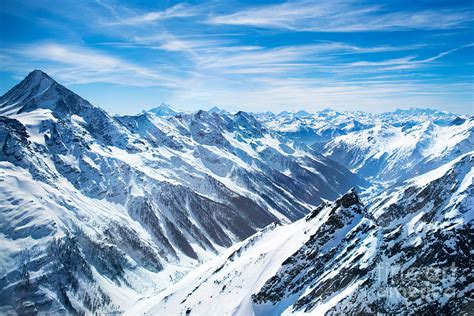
x=410 y=253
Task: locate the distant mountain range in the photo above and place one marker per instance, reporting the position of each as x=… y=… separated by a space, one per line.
x=230 y=213
x=325 y=125
x=392 y=153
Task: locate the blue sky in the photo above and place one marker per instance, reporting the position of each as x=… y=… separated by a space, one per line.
x=126 y=56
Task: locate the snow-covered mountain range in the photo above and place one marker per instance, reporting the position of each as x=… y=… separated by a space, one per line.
x=98 y=210
x=323 y=126
x=411 y=252
x=391 y=153
x=384 y=148
x=211 y=212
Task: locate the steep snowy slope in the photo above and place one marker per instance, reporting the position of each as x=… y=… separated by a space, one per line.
x=97 y=210
x=224 y=285
x=410 y=253
x=390 y=153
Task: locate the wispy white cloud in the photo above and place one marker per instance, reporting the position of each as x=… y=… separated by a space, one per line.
x=407 y=62
x=75 y=64
x=442 y=54
x=180 y=10
x=312 y=94
x=293 y=59
x=211 y=52
x=341 y=16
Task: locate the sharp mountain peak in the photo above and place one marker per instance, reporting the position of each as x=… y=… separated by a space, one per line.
x=38 y=90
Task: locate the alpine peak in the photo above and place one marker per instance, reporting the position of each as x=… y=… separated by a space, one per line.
x=39 y=90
